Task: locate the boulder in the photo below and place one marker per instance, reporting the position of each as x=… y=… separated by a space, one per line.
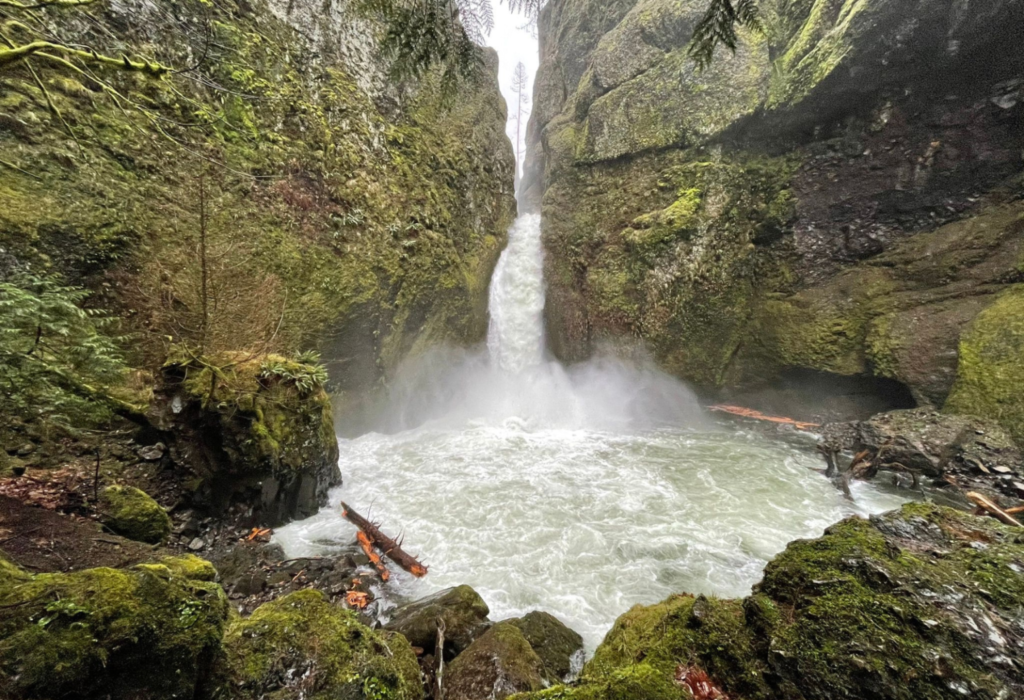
x=553 y=642
x=131 y=513
x=922 y=602
x=153 y=631
x=979 y=454
x=498 y=664
x=301 y=646
x=255 y=430
x=464 y=613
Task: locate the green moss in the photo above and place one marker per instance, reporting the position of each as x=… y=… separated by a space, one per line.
x=500 y=660
x=191 y=567
x=275 y=411
x=337 y=655
x=132 y=513
x=990 y=370
x=885 y=608
x=146 y=632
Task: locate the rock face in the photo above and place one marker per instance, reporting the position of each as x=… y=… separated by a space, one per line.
x=301 y=646
x=343 y=211
x=841 y=195
x=917 y=603
x=498 y=664
x=464 y=613
x=255 y=430
x=152 y=631
x=131 y=513
x=553 y=642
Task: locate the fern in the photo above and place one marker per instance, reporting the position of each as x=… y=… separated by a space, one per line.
x=718 y=26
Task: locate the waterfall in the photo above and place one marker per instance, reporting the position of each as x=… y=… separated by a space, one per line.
x=515 y=338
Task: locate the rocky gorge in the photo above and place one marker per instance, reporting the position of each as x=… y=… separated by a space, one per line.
x=827 y=223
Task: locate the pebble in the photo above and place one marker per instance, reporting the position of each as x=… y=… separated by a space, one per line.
x=152 y=453
x=196 y=544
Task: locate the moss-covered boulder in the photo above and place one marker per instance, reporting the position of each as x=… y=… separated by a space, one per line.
x=131 y=513
x=253 y=429
x=555 y=644
x=464 y=613
x=498 y=664
x=153 y=631
x=923 y=602
x=302 y=647
x=990 y=373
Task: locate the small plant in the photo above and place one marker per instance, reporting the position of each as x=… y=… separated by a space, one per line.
x=61 y=607
x=305 y=377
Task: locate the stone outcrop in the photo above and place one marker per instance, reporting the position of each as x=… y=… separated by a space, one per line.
x=556 y=645
x=842 y=195
x=253 y=430
x=461 y=608
x=917 y=603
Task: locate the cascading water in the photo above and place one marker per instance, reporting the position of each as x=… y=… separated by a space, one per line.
x=579 y=491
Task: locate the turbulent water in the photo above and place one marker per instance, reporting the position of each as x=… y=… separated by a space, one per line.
x=582 y=491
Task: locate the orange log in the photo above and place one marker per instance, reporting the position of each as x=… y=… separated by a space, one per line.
x=367 y=546
x=391 y=549
x=757 y=415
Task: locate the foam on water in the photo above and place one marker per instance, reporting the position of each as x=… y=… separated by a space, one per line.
x=580 y=491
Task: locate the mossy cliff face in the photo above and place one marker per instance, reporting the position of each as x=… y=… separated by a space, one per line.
x=917 y=603
x=343 y=211
x=841 y=195
x=151 y=631
x=256 y=430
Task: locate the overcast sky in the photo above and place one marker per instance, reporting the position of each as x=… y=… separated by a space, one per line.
x=513 y=45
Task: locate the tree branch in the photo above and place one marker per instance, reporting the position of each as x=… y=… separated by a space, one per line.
x=9 y=57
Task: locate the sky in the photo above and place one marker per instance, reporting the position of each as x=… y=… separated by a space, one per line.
x=513 y=45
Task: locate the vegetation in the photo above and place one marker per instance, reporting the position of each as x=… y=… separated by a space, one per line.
x=59 y=361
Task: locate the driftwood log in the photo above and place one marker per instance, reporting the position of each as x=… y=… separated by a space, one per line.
x=391 y=549
x=992 y=509
x=367 y=546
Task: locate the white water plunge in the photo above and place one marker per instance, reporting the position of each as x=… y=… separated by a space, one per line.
x=579 y=491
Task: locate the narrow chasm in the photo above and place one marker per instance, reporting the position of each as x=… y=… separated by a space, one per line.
x=527 y=350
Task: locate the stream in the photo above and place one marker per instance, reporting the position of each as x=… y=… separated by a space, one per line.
x=581 y=491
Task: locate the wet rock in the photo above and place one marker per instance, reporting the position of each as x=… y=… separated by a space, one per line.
x=553 y=642
x=919 y=602
x=498 y=664
x=152 y=453
x=248 y=584
x=260 y=433
x=25 y=450
x=464 y=613
x=152 y=631
x=973 y=450
x=301 y=646
x=131 y=513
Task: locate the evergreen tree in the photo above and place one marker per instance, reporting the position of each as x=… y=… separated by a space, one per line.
x=520 y=86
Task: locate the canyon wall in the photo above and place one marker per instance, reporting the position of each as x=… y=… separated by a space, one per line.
x=842 y=195
x=340 y=210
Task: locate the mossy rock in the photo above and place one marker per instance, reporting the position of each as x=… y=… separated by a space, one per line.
x=131 y=513
x=499 y=663
x=303 y=647
x=260 y=430
x=553 y=642
x=990 y=372
x=152 y=631
x=464 y=613
x=922 y=602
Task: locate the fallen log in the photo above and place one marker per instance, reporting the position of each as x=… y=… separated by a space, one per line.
x=367 y=546
x=992 y=509
x=391 y=549
x=757 y=415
